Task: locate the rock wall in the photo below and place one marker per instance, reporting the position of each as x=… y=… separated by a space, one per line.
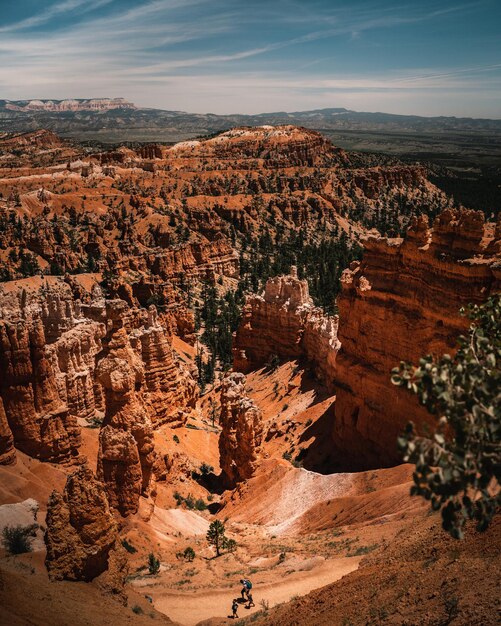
x=400 y=303
x=7 y=450
x=169 y=388
x=38 y=418
x=82 y=536
x=273 y=146
x=284 y=322
x=242 y=431
x=126 y=448
x=49 y=348
x=197 y=260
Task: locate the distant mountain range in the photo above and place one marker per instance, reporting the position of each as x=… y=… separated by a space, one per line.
x=59 y=106
x=115 y=120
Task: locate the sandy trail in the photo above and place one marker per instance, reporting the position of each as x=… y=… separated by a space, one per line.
x=190 y=607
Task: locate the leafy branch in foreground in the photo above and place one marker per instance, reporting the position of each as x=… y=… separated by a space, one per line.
x=459 y=468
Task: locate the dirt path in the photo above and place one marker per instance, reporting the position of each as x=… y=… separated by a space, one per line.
x=190 y=607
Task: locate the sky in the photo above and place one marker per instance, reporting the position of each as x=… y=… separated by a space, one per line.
x=422 y=57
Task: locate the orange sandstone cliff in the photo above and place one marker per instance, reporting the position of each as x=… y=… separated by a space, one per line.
x=400 y=302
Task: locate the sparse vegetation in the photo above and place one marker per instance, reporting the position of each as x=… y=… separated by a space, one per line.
x=189 y=554
x=153 y=564
x=206 y=469
x=18 y=539
x=128 y=546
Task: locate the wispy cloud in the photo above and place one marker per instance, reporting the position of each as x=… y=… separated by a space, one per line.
x=227 y=55
x=54 y=11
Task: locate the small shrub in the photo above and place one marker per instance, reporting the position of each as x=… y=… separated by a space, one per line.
x=95 y=422
x=175 y=439
x=153 y=564
x=128 y=546
x=309 y=422
x=265 y=605
x=206 y=469
x=364 y=550
x=287 y=456
x=17 y=539
x=189 y=501
x=200 y=505
x=452 y=607
x=137 y=609
x=189 y=554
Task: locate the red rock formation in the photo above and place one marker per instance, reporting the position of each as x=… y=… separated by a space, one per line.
x=373 y=181
x=170 y=389
x=38 y=418
x=280 y=145
x=38 y=138
x=197 y=260
x=126 y=448
x=7 y=450
x=400 y=303
x=82 y=536
x=242 y=431
x=284 y=322
x=73 y=344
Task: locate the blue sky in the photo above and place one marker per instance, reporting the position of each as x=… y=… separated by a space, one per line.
x=250 y=56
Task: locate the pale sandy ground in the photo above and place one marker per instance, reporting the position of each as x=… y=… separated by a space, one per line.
x=190 y=607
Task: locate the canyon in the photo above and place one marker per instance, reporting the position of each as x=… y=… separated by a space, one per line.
x=206 y=331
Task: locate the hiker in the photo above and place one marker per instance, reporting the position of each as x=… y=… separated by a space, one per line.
x=250 y=601
x=234 y=608
x=246 y=587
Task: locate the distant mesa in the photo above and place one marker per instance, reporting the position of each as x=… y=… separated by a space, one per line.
x=94 y=104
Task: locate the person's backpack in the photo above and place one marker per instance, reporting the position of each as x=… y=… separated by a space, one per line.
x=248 y=584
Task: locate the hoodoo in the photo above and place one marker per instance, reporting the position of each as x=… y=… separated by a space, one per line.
x=242 y=430
x=126 y=448
x=82 y=535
